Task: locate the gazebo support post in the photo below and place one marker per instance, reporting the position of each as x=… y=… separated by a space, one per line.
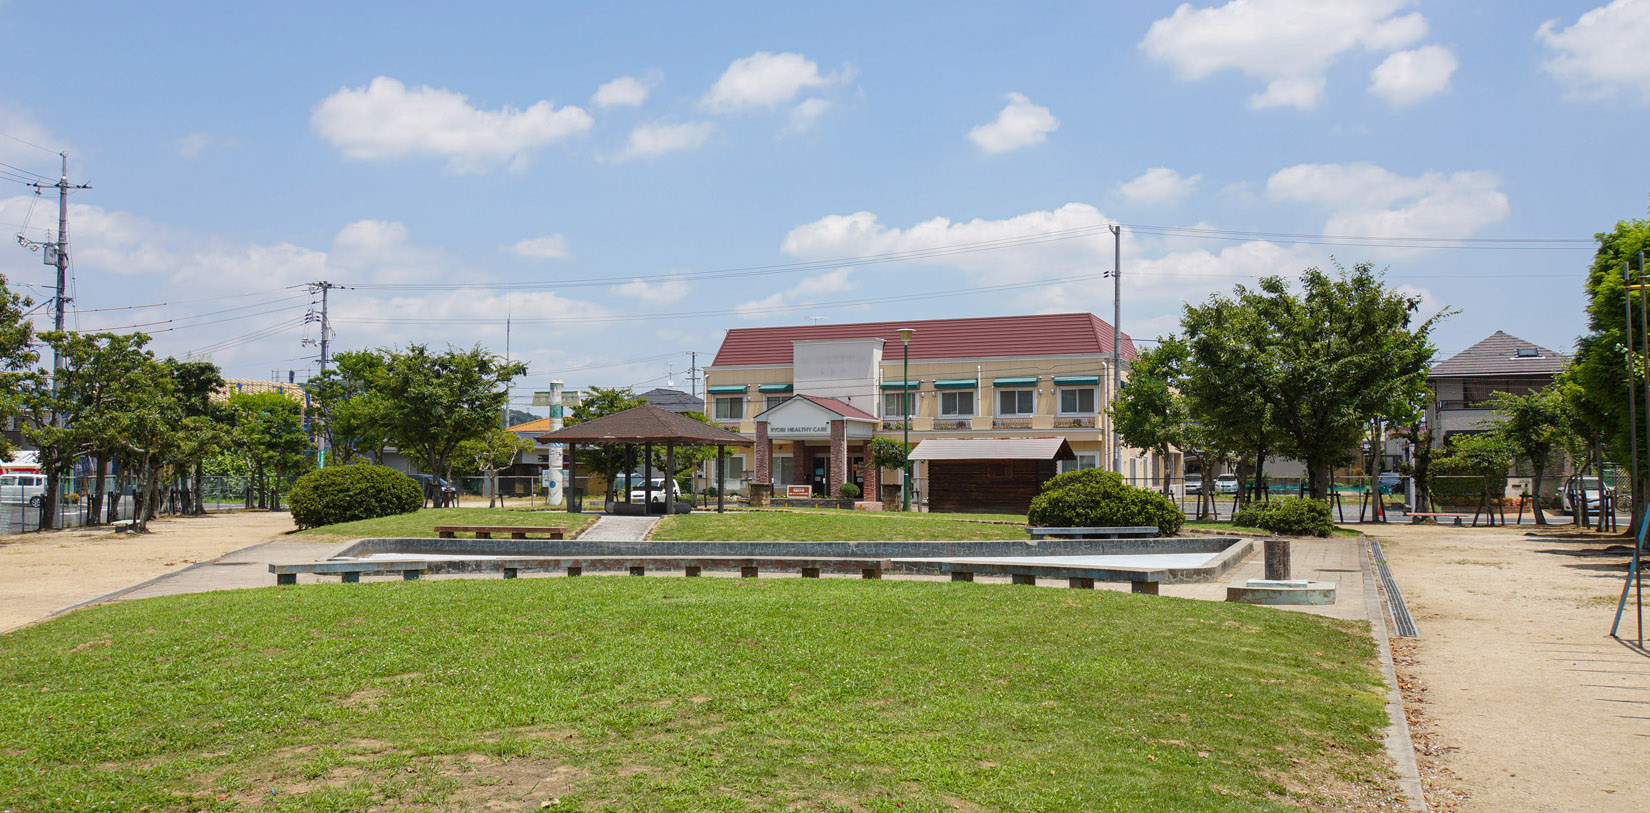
x=629 y=464
x=647 y=478
x=719 y=482
x=572 y=477
x=670 y=477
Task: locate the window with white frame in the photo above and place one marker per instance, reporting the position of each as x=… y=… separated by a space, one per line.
x=896 y=404
x=959 y=404
x=784 y=469
x=1085 y=460
x=733 y=467
x=772 y=401
x=1077 y=401
x=731 y=408
x=1016 y=403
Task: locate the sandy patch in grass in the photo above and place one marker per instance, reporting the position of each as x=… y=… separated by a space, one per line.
x=41 y=573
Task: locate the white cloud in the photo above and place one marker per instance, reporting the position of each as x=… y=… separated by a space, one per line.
x=766 y=80
x=1020 y=124
x=194 y=144
x=1157 y=186
x=30 y=144
x=549 y=247
x=654 y=293
x=1367 y=200
x=1407 y=77
x=653 y=140
x=625 y=91
x=1289 y=44
x=805 y=115
x=1603 y=53
x=826 y=284
x=384 y=121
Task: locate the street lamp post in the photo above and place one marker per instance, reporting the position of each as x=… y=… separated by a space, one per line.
x=905 y=406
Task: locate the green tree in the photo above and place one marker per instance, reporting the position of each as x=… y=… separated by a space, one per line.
x=348 y=409
x=1601 y=366
x=1483 y=457
x=1224 y=380
x=605 y=462
x=144 y=427
x=72 y=411
x=1530 y=426
x=1327 y=361
x=268 y=433
x=490 y=452
x=1149 y=411
x=205 y=426
x=432 y=403
x=17 y=357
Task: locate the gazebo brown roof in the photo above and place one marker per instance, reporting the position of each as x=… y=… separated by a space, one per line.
x=646 y=424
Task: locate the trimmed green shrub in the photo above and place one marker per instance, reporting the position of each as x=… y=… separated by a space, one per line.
x=348 y=493
x=848 y=491
x=1095 y=498
x=1287 y=516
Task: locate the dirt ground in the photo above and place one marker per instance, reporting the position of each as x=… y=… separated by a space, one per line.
x=46 y=572
x=1517 y=697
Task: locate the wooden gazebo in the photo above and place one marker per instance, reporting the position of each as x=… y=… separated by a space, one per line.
x=645 y=426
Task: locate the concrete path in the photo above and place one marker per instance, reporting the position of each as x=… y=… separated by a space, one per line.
x=611 y=528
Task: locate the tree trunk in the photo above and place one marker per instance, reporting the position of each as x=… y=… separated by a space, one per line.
x=1535 y=489
x=94 y=502
x=48 y=501
x=1317 y=478
x=1260 y=473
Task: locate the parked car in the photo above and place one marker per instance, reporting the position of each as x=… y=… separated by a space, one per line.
x=1391 y=482
x=1578 y=489
x=1226 y=484
x=1194 y=484
x=429 y=483
x=22 y=487
x=639 y=488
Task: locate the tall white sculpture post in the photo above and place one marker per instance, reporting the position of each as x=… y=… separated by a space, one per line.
x=554 y=491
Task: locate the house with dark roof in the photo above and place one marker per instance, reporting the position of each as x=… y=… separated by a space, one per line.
x=814 y=396
x=1462 y=384
x=674 y=400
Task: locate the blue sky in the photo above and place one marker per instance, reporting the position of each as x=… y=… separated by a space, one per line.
x=589 y=170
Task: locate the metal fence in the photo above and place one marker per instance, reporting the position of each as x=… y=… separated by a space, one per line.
x=24 y=513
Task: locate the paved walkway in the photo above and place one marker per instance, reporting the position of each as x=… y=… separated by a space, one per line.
x=613 y=528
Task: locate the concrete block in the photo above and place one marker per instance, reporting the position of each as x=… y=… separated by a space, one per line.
x=286 y=578
x=871 y=573
x=1080 y=583
x=1025 y=578
x=810 y=573
x=1145 y=588
x=351 y=576
x=747 y=572
x=962 y=575
x=509 y=573
x=638 y=570
x=1313 y=593
x=575 y=570
x=411 y=575
x=691 y=570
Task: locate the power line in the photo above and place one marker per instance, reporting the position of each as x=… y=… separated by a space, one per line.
x=45 y=150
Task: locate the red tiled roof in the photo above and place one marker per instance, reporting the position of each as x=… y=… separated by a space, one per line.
x=842 y=408
x=1036 y=335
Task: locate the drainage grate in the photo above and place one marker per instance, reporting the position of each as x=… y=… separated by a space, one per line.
x=1402 y=624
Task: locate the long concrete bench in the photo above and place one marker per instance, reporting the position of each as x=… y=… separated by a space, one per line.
x=410 y=569
x=487 y=531
x=1119 y=532
x=510 y=567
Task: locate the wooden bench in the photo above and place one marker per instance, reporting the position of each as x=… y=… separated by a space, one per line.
x=1415 y=518
x=487 y=531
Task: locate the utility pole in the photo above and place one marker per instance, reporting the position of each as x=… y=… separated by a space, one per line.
x=58 y=254
x=1116 y=336
x=326 y=343
x=507 y=361
x=693 y=373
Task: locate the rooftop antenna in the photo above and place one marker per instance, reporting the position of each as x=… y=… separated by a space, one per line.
x=670 y=375
x=814 y=319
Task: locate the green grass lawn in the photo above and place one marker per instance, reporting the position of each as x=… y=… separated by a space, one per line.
x=814 y=526
x=1227 y=527
x=673 y=694
x=421 y=523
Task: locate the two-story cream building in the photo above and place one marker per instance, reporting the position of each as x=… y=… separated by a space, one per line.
x=814 y=396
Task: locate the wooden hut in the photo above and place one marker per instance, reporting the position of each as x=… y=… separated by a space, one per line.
x=989 y=475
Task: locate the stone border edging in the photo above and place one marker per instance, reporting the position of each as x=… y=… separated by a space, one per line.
x=1399 y=746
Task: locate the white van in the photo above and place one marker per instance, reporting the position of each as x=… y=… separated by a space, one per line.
x=639 y=489
x=22 y=487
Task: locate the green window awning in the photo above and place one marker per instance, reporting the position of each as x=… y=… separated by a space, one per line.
x=1074 y=380
x=901 y=385
x=727 y=390
x=774 y=388
x=956 y=383
x=1014 y=382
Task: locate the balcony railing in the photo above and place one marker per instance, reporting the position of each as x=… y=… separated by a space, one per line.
x=893 y=426
x=1011 y=423
x=953 y=423
x=1074 y=422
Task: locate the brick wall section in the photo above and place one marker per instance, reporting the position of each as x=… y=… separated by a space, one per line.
x=839 y=455
x=873 y=476
x=802 y=459
x=764 y=454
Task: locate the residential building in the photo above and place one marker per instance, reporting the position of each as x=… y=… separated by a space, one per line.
x=814 y=396
x=674 y=400
x=1462 y=384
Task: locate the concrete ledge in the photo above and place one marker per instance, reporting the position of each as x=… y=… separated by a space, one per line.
x=1282 y=593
